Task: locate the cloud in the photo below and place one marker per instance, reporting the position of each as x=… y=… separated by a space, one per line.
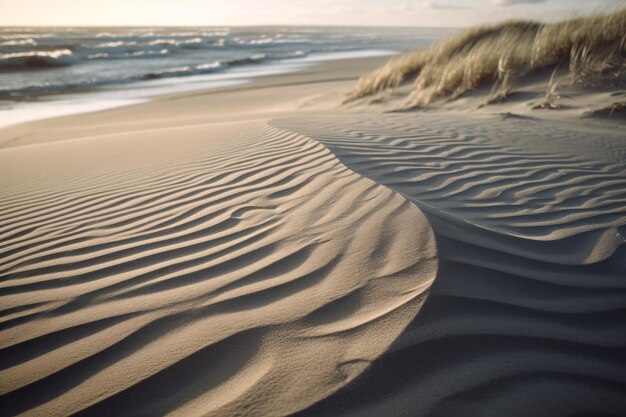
x=513 y=2
x=433 y=5
x=416 y=8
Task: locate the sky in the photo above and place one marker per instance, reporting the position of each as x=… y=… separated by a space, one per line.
x=450 y=13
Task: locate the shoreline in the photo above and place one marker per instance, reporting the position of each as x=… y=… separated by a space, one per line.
x=344 y=72
x=46 y=104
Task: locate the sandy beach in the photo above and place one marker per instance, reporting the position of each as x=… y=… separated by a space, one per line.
x=265 y=250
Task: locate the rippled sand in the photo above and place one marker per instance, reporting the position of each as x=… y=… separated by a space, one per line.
x=264 y=251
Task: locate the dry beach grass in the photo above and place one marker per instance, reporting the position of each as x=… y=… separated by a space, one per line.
x=586 y=50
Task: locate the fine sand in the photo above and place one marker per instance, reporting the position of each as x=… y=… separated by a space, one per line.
x=264 y=250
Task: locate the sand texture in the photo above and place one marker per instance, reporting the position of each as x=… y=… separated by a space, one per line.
x=265 y=251
x=526 y=316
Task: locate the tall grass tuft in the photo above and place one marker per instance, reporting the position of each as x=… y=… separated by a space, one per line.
x=591 y=48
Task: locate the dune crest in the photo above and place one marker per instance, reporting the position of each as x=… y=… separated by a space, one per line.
x=528 y=304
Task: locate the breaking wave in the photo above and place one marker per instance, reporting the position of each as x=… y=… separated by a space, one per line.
x=37 y=59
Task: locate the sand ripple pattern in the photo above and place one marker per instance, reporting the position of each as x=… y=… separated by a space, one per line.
x=516 y=176
x=528 y=312
x=211 y=270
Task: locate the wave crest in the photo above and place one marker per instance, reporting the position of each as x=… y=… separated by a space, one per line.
x=37 y=59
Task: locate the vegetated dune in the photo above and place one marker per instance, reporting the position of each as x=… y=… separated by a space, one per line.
x=222 y=270
x=527 y=314
x=584 y=51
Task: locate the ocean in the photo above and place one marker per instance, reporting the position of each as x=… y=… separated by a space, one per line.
x=109 y=67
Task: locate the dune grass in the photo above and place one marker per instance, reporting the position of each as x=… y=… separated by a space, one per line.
x=585 y=50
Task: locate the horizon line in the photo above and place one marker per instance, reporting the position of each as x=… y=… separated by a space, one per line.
x=2 y=26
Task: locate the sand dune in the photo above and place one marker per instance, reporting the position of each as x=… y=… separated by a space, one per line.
x=231 y=267
x=526 y=315
x=264 y=251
